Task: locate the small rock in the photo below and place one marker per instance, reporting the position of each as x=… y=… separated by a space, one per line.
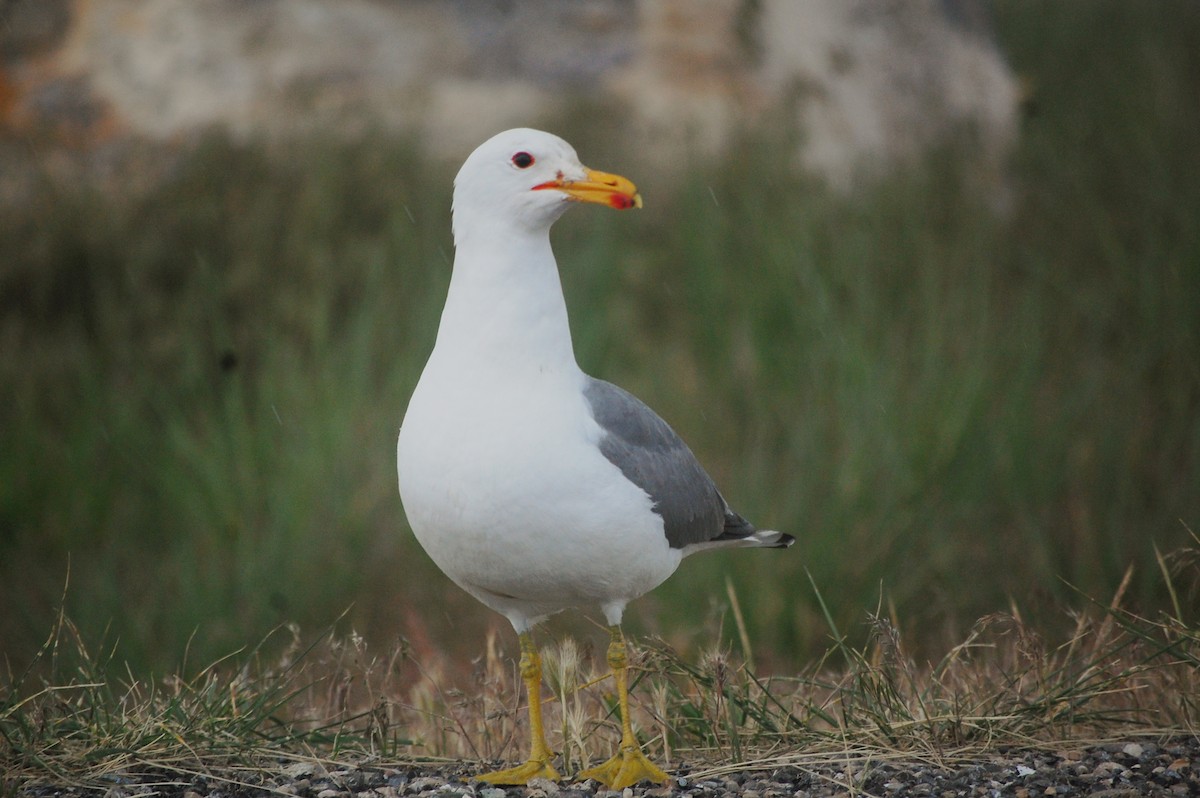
x=1133 y=750
x=330 y=793
x=348 y=779
x=422 y=784
x=491 y=792
x=545 y=785
x=785 y=773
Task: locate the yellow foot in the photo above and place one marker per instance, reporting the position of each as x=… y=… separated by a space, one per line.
x=626 y=769
x=521 y=774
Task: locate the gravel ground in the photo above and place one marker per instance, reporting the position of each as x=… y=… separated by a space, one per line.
x=1111 y=770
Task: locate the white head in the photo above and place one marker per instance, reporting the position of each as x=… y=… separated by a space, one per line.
x=523 y=179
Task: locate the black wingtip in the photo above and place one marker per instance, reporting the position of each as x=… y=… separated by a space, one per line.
x=785 y=541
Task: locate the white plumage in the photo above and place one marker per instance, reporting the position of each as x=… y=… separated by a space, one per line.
x=531 y=485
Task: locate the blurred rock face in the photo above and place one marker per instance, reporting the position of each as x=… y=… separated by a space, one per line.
x=866 y=81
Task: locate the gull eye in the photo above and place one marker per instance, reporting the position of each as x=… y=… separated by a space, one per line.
x=522 y=160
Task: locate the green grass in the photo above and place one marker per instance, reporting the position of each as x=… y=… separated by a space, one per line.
x=963 y=409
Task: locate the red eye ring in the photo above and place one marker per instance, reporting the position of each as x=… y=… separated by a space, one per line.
x=522 y=160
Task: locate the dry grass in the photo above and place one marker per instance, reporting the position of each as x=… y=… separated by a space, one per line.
x=70 y=720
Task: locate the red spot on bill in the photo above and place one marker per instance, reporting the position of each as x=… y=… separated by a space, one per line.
x=621 y=202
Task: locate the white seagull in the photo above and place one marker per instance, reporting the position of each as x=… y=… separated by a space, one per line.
x=533 y=486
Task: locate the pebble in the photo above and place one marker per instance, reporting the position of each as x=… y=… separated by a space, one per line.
x=1133 y=750
x=300 y=770
x=422 y=784
x=545 y=785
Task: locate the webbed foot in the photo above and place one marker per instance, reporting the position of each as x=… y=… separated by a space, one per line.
x=521 y=774
x=625 y=769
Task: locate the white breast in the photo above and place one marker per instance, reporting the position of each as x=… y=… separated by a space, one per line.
x=505 y=488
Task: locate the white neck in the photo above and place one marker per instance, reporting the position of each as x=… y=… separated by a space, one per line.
x=505 y=308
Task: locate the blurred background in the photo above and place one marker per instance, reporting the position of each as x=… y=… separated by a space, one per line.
x=918 y=281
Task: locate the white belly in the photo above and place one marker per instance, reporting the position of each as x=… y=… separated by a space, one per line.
x=510 y=496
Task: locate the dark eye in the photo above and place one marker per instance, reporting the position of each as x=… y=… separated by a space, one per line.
x=522 y=160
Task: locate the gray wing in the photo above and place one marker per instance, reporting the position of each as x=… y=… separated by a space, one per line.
x=654 y=458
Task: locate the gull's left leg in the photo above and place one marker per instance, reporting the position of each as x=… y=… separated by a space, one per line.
x=630 y=765
x=538 y=765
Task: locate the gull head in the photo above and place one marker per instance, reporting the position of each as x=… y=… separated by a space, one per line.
x=524 y=179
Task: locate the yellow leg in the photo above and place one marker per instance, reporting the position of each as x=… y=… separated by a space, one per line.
x=538 y=765
x=630 y=765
